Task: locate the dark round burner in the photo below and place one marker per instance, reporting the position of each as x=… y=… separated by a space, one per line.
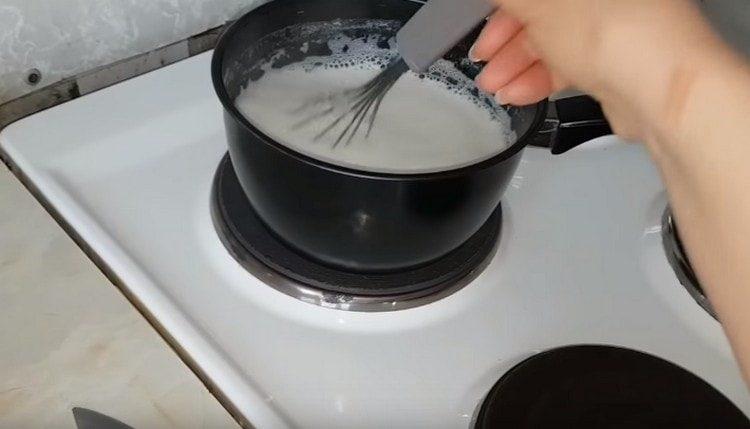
x=680 y=263
x=249 y=240
x=605 y=387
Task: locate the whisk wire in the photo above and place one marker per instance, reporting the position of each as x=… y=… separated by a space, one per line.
x=361 y=109
x=363 y=103
x=376 y=108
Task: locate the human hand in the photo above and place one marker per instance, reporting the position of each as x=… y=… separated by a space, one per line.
x=638 y=58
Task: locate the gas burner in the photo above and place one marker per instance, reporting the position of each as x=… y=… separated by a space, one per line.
x=681 y=264
x=604 y=387
x=268 y=258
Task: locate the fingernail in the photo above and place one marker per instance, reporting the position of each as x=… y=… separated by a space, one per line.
x=499 y=99
x=478 y=80
x=473 y=57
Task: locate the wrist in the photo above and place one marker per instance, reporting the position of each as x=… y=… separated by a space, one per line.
x=703 y=96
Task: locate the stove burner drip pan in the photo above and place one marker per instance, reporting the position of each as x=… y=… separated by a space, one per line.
x=598 y=386
x=263 y=254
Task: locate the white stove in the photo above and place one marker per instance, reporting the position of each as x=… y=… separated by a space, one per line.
x=580 y=261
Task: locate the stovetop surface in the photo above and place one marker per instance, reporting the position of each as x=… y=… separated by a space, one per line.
x=129 y=169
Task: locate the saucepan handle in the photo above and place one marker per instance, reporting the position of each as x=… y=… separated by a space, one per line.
x=576 y=120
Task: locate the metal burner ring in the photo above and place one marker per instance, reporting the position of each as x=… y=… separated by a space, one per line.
x=681 y=264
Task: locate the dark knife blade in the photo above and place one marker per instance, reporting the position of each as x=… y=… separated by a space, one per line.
x=88 y=419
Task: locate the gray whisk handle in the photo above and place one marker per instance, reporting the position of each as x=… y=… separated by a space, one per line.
x=437 y=27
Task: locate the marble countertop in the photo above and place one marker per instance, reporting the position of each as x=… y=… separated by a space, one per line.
x=69 y=338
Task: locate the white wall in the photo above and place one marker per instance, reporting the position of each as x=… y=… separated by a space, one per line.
x=62 y=38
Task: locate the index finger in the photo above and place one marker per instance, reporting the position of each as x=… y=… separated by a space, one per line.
x=500 y=29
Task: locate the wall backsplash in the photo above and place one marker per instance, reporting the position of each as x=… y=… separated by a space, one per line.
x=62 y=38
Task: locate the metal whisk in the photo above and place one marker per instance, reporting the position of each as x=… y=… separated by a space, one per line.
x=433 y=30
x=362 y=104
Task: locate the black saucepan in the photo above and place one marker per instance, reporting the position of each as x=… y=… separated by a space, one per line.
x=357 y=220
